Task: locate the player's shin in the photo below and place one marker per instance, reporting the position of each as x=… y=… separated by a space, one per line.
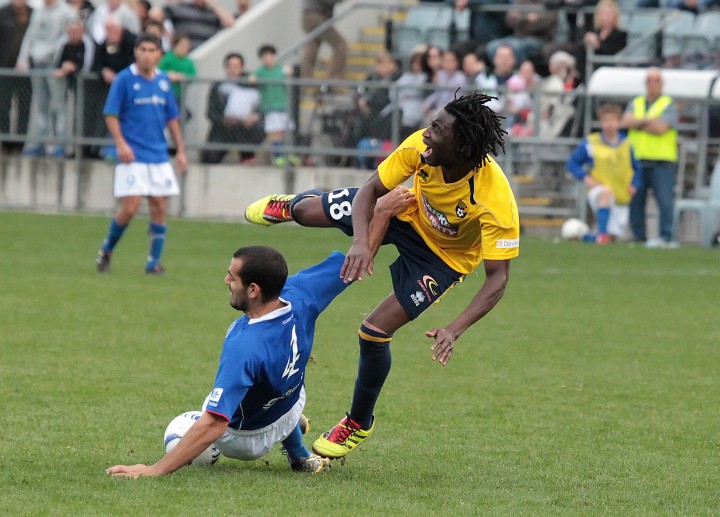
x=373 y=369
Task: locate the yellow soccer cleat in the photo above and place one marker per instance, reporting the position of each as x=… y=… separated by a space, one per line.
x=341 y=439
x=271 y=209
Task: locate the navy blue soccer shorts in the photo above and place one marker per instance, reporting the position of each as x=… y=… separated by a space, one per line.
x=419 y=276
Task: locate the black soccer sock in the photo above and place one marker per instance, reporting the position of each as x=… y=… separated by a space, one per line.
x=373 y=369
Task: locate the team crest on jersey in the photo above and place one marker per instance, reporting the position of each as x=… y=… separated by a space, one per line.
x=164 y=85
x=423 y=175
x=438 y=220
x=461 y=209
x=136 y=86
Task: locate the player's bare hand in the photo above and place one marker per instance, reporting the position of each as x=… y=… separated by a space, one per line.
x=395 y=202
x=125 y=153
x=443 y=345
x=181 y=161
x=359 y=259
x=133 y=471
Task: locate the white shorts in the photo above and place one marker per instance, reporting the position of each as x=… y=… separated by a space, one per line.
x=145 y=179
x=619 y=214
x=276 y=121
x=251 y=445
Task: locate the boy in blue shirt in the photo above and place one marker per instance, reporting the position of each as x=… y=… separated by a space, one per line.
x=138 y=108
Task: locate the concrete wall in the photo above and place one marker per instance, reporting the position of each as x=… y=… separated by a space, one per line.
x=212 y=192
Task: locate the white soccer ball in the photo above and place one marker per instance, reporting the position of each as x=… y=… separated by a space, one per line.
x=177 y=428
x=573 y=229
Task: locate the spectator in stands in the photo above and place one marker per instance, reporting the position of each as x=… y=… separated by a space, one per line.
x=234 y=112
x=651 y=120
x=314 y=14
x=531 y=30
x=518 y=109
x=199 y=19
x=157 y=28
x=273 y=99
x=242 y=7
x=142 y=11
x=605 y=163
x=473 y=64
x=485 y=26
x=493 y=83
x=556 y=101
x=572 y=10
x=46 y=28
x=120 y=12
x=372 y=116
x=448 y=79
x=114 y=54
x=84 y=10
x=75 y=54
x=607 y=39
x=411 y=92
x=178 y=66
x=433 y=62
x=14 y=20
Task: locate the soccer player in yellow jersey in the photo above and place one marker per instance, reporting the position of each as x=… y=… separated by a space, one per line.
x=459 y=212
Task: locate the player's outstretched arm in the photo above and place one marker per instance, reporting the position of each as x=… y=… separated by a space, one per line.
x=496 y=277
x=359 y=258
x=205 y=431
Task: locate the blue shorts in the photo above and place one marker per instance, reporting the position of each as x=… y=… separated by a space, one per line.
x=419 y=277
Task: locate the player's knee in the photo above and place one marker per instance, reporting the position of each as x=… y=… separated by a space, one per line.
x=371 y=337
x=305 y=205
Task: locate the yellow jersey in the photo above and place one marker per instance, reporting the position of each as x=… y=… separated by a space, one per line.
x=463 y=222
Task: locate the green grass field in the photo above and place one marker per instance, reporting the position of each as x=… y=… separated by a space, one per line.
x=592 y=389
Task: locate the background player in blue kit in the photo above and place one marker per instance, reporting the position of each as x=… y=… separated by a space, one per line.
x=259 y=393
x=139 y=106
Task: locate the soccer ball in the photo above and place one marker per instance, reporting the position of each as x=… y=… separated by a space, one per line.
x=177 y=428
x=574 y=229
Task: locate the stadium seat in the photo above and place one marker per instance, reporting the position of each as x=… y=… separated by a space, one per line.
x=678 y=35
x=708 y=25
x=425 y=23
x=707 y=210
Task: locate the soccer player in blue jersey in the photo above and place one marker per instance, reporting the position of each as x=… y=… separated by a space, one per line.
x=138 y=108
x=463 y=212
x=258 y=395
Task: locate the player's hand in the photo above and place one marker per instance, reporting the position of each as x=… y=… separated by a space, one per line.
x=395 y=202
x=357 y=261
x=181 y=161
x=590 y=182
x=133 y=471
x=125 y=153
x=443 y=346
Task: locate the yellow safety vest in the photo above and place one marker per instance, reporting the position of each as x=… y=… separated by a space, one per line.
x=649 y=146
x=612 y=166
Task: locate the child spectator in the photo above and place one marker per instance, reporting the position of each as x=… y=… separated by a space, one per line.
x=178 y=65
x=613 y=177
x=273 y=98
x=448 y=79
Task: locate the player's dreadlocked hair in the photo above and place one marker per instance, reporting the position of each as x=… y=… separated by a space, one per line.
x=477 y=129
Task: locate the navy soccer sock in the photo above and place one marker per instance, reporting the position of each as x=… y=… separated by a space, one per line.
x=115 y=232
x=294 y=446
x=375 y=362
x=603 y=216
x=156 y=232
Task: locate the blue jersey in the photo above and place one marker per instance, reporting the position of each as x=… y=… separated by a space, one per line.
x=262 y=366
x=144 y=107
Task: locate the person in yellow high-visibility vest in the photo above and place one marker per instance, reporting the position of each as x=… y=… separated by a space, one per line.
x=651 y=121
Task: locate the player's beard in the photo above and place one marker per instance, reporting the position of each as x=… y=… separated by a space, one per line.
x=239 y=300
